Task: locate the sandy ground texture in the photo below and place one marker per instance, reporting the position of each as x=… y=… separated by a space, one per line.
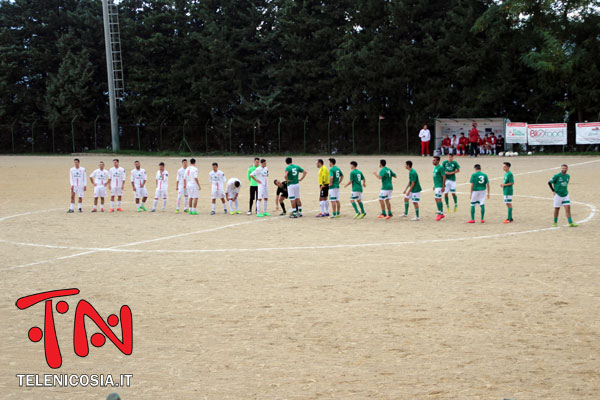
x=239 y=307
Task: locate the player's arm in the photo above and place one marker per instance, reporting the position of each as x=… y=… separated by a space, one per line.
x=347 y=184
x=303 y=176
x=197 y=183
x=253 y=177
x=285 y=176
x=410 y=187
x=551 y=187
x=376 y=175
x=488 y=190
x=330 y=180
x=364 y=182
x=277 y=202
x=71 y=180
x=443 y=181
x=92 y=180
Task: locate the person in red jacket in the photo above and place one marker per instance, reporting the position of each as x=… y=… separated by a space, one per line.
x=463 y=143
x=446 y=145
x=474 y=139
x=493 y=142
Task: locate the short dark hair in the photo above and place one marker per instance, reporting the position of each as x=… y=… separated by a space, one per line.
x=354 y=163
x=507 y=164
x=453 y=135
x=76 y=159
x=161 y=164
x=382 y=162
x=237 y=184
x=437 y=157
x=564 y=165
x=116 y=159
x=288 y=160
x=256 y=158
x=262 y=160
x=136 y=161
x=185 y=159
x=320 y=161
x=409 y=163
x=332 y=160
x=215 y=164
x=477 y=167
x=275 y=181
x=192 y=161
x=462 y=133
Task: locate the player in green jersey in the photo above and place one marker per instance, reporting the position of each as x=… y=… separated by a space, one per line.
x=412 y=191
x=293 y=182
x=452 y=168
x=479 y=184
x=335 y=178
x=357 y=180
x=439 y=182
x=507 y=190
x=559 y=186
x=385 y=175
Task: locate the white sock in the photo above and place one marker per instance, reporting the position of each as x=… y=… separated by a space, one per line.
x=237 y=207
x=102 y=206
x=185 y=205
x=72 y=206
x=231 y=205
x=154 y=205
x=112 y=204
x=225 y=206
x=119 y=203
x=178 y=201
x=79 y=206
x=258 y=206
x=143 y=203
x=213 y=206
x=95 y=207
x=326 y=207
x=265 y=205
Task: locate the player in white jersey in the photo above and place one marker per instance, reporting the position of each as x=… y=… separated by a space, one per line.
x=192 y=186
x=117 y=184
x=99 y=179
x=162 y=186
x=232 y=190
x=138 y=183
x=217 y=180
x=181 y=189
x=78 y=181
x=261 y=176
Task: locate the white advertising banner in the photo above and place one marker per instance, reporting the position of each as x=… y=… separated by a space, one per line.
x=547 y=134
x=587 y=133
x=516 y=132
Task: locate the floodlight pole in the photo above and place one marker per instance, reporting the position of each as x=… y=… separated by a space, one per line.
x=112 y=99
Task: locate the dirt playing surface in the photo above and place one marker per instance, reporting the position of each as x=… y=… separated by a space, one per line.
x=239 y=307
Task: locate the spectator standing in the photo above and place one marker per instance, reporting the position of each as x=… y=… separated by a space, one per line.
x=425 y=136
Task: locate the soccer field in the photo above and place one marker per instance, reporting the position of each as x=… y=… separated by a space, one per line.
x=239 y=307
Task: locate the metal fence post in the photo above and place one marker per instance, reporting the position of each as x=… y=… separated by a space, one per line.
x=305 y=122
x=279 y=136
x=73 y=132
x=12 y=135
x=95 y=129
x=32 y=135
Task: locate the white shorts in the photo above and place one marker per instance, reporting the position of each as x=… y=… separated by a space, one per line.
x=141 y=192
x=450 y=186
x=334 y=194
x=478 y=197
x=263 y=192
x=385 y=194
x=78 y=190
x=161 y=194
x=414 y=197
x=192 y=191
x=294 y=191
x=182 y=192
x=437 y=193
x=356 y=196
x=100 y=191
x=116 y=191
x=561 y=201
x=217 y=193
x=232 y=195
x=508 y=199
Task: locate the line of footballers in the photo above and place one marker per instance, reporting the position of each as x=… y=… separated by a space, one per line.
x=330 y=179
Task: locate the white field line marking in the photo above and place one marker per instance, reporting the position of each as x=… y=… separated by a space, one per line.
x=116 y=248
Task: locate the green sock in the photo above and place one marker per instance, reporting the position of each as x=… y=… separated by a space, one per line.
x=383 y=212
x=472 y=212
x=482 y=211
x=406 y=208
x=455 y=198
x=417 y=212
x=390 y=213
x=440 y=207
x=570 y=220
x=362 y=208
x=354 y=206
x=300 y=210
x=510 y=213
x=447 y=201
x=555 y=220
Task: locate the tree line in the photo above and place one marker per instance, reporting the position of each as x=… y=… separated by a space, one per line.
x=322 y=66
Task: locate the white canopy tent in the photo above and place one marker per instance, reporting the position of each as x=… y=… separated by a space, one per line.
x=456 y=126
